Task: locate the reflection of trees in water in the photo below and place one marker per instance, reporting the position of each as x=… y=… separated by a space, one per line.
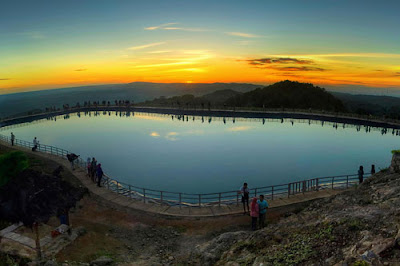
x=210 y=119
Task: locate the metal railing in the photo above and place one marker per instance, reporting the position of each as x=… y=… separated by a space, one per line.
x=202 y=200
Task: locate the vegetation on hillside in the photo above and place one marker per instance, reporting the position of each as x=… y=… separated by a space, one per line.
x=288 y=94
x=284 y=94
x=11 y=164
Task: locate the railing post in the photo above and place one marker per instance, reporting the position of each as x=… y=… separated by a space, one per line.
x=333 y=179
x=219 y=199
x=255 y=192
x=237 y=199
x=347 y=181
x=161 y=197
x=144 y=195
x=180 y=200
x=317 y=184
x=199 y=200
x=130 y=194
x=288 y=190
x=272 y=192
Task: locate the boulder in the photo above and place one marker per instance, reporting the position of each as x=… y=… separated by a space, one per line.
x=395 y=164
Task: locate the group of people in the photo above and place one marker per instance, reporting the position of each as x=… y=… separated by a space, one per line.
x=257 y=210
x=361 y=172
x=95 y=172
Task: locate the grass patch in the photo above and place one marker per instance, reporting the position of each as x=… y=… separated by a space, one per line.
x=396 y=152
x=11 y=164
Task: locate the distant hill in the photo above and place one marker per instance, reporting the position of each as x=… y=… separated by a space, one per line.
x=371 y=104
x=216 y=98
x=284 y=94
x=11 y=104
x=288 y=94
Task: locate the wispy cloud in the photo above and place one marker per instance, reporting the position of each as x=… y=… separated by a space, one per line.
x=80 y=69
x=160 y=26
x=167 y=26
x=280 y=60
x=160 y=52
x=284 y=64
x=193 y=69
x=172 y=136
x=239 y=128
x=242 y=34
x=300 y=68
x=4 y=79
x=188 y=57
x=146 y=46
x=155 y=134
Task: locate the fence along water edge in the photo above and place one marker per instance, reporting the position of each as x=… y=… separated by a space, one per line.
x=181 y=199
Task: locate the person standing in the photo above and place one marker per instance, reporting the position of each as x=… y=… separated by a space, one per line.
x=12 y=139
x=361 y=174
x=88 y=166
x=372 y=169
x=93 y=167
x=244 y=191
x=35 y=144
x=263 y=206
x=254 y=213
x=99 y=174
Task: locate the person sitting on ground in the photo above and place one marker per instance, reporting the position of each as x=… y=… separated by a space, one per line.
x=12 y=139
x=361 y=174
x=263 y=206
x=244 y=191
x=71 y=158
x=99 y=174
x=254 y=213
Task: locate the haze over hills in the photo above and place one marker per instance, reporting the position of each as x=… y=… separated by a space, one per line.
x=11 y=104
x=233 y=94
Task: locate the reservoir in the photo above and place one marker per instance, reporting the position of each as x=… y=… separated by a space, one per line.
x=201 y=154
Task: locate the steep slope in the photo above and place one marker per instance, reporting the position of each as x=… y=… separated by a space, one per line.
x=360 y=226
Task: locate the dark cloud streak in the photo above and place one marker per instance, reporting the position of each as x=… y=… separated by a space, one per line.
x=280 y=60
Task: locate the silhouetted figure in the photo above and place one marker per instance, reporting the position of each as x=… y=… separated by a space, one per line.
x=71 y=158
x=372 y=169
x=93 y=169
x=35 y=144
x=12 y=139
x=100 y=173
x=244 y=191
x=361 y=174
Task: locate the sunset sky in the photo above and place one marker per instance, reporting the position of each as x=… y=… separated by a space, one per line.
x=54 y=44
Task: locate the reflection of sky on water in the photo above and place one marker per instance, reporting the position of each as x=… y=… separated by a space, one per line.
x=212 y=154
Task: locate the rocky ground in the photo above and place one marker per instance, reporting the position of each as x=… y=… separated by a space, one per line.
x=357 y=227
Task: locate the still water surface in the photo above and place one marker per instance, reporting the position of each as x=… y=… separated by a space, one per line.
x=201 y=155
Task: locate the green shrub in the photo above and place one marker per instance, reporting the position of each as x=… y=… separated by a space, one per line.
x=11 y=164
x=395 y=151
